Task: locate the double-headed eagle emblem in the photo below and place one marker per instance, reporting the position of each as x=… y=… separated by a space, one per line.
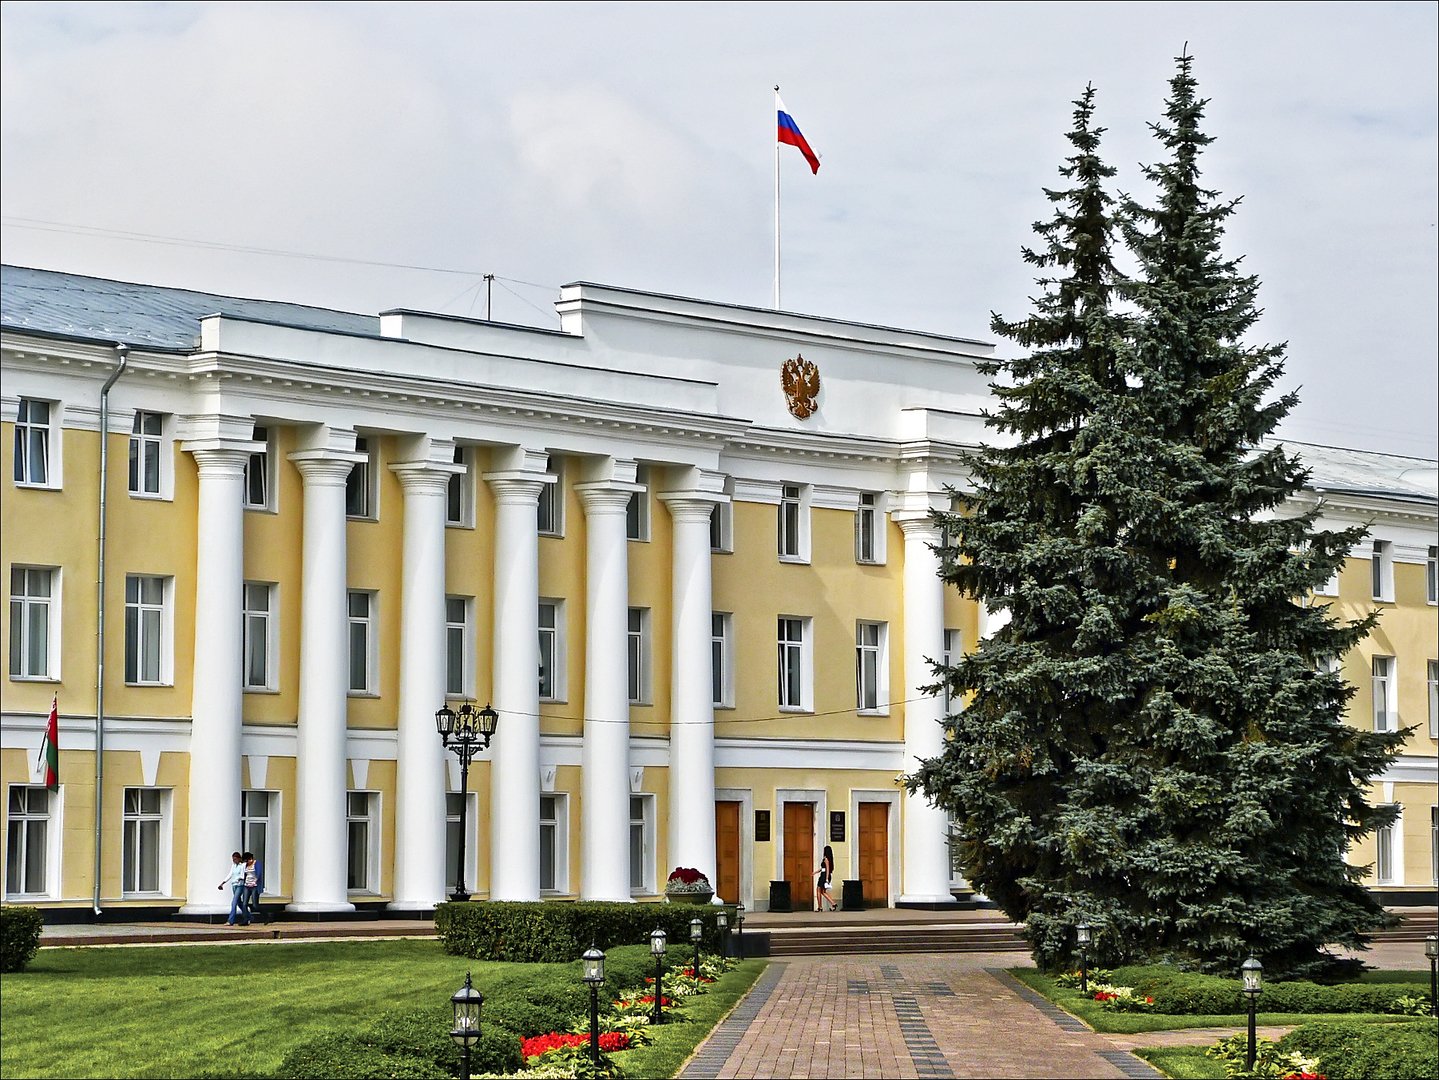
x=800 y=381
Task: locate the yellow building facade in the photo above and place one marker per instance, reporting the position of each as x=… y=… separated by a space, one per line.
x=683 y=548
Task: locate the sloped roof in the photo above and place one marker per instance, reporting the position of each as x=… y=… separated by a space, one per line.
x=1363 y=472
x=143 y=316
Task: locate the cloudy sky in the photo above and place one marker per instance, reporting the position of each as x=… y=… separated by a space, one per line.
x=396 y=152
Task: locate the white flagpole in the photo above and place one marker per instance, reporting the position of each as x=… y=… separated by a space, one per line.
x=776 y=199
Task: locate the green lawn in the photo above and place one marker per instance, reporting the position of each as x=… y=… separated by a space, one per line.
x=187 y=1010
x=1183 y=1062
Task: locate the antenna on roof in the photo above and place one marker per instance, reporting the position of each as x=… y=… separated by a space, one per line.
x=489 y=286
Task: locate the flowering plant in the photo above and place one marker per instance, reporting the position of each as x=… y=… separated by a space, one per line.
x=1120 y=998
x=610 y=1041
x=686 y=879
x=1269 y=1060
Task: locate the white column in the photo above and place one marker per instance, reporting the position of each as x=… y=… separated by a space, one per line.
x=604 y=776
x=692 y=729
x=420 y=769
x=217 y=696
x=515 y=771
x=925 y=873
x=321 y=783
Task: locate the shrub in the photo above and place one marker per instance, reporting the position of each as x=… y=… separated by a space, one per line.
x=1351 y=1051
x=19 y=936
x=1187 y=993
x=413 y=1045
x=525 y=932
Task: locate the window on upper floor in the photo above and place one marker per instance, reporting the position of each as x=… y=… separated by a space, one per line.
x=1433 y=686
x=259 y=636
x=259 y=476
x=457 y=646
x=34 y=622
x=363 y=635
x=1431 y=575
x=868 y=529
x=146 y=453
x=722 y=527
x=795 y=663
x=360 y=484
x=722 y=659
x=549 y=511
x=1386 y=716
x=149 y=618
x=460 y=490
x=953 y=649
x=1382 y=571
x=871 y=667
x=552 y=650
x=793 y=523
x=637 y=512
x=34 y=443
x=637 y=656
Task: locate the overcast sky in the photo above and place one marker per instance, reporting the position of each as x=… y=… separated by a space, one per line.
x=632 y=144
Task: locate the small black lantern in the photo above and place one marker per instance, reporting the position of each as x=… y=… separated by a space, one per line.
x=658 y=940
x=1431 y=950
x=722 y=925
x=467 y=1002
x=1252 y=973
x=1082 y=937
x=594 y=976
x=697 y=932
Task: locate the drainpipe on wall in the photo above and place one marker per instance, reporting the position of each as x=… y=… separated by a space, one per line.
x=122 y=353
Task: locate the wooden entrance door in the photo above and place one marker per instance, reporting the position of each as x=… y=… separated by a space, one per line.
x=727 y=851
x=874 y=852
x=799 y=853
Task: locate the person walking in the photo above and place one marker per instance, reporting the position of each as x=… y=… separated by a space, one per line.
x=236 y=881
x=253 y=883
x=825 y=874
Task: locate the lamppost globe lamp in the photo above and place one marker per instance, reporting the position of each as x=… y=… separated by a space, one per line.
x=697 y=931
x=1252 y=974
x=594 y=975
x=466 y=731
x=467 y=1002
x=1082 y=938
x=1081 y=933
x=1431 y=950
x=658 y=940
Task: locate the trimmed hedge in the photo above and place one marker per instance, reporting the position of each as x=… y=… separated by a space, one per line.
x=1188 y=993
x=538 y=932
x=1350 y=1051
x=413 y=1045
x=19 y=936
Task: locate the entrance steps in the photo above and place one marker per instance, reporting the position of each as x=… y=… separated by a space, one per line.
x=896 y=937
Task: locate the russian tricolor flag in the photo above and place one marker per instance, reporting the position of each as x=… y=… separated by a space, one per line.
x=790 y=133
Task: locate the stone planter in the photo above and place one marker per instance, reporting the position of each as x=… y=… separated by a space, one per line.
x=689 y=897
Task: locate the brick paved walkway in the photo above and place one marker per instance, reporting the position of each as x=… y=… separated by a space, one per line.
x=941 y=1016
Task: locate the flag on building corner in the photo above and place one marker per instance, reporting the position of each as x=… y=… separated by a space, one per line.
x=789 y=133
x=50 y=747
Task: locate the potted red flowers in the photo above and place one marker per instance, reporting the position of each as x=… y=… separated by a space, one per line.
x=686 y=885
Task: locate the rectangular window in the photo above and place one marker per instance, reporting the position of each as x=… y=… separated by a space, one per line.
x=457 y=646
x=452 y=839
x=1431 y=576
x=362 y=642
x=789 y=522
x=32 y=443
x=642 y=855
x=27 y=842
x=362 y=831
x=459 y=491
x=33 y=621
x=259 y=828
x=1382 y=570
x=145 y=454
x=259 y=636
x=359 y=496
x=722 y=658
x=1385 y=863
x=866 y=529
x=637 y=512
x=722 y=527
x=793 y=664
x=554 y=843
x=869 y=666
x=1382 y=684
x=953 y=646
x=1434 y=843
x=638 y=656
x=551 y=650
x=1433 y=681
x=257 y=473
x=550 y=509
x=142 y=854
x=146 y=630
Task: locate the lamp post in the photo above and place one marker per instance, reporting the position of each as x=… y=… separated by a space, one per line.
x=466 y=731
x=467 y=1002
x=722 y=925
x=697 y=929
x=1081 y=935
x=739 y=925
x=1252 y=971
x=594 y=976
x=1431 y=950
x=657 y=950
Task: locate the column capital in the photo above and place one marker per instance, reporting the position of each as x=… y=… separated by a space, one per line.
x=916 y=523
x=426 y=477
x=606 y=496
x=692 y=506
x=518 y=487
x=222 y=457
x=326 y=467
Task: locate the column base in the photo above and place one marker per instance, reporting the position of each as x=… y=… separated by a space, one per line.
x=927 y=901
x=205 y=909
x=422 y=908
x=319 y=907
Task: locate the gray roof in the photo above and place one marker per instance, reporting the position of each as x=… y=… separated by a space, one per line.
x=144 y=316
x=1363 y=472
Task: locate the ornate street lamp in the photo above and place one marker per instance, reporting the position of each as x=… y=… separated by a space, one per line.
x=1081 y=935
x=467 y=1002
x=1431 y=950
x=594 y=975
x=1252 y=972
x=466 y=731
x=697 y=930
x=657 y=949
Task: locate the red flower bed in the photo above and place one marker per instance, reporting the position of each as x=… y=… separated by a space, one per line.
x=1304 y=1076
x=610 y=1041
x=689 y=973
x=1104 y=995
x=647 y=999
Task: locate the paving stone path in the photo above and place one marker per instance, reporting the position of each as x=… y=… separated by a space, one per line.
x=939 y=1016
